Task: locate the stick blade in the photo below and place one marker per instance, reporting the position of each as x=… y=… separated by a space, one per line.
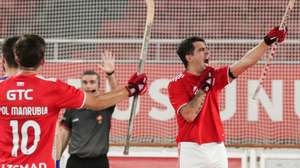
x=150 y=12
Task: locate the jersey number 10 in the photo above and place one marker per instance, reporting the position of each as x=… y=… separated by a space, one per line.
x=24 y=137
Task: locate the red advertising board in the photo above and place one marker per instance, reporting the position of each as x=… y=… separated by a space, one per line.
x=273 y=118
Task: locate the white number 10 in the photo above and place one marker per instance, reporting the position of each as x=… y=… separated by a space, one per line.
x=24 y=135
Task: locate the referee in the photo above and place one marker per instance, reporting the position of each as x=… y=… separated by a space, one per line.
x=88 y=130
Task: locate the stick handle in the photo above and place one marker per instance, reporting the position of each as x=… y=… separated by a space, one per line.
x=143 y=56
x=282 y=26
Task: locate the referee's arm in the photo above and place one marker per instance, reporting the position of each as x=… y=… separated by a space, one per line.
x=62 y=140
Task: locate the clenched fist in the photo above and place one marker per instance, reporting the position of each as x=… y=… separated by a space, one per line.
x=275 y=35
x=137 y=84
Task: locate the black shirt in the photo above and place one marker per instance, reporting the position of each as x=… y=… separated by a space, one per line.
x=89 y=136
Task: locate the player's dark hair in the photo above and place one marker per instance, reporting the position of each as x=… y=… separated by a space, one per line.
x=30 y=50
x=8 y=51
x=186 y=47
x=91 y=72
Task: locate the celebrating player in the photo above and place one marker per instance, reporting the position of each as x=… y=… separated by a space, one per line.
x=30 y=103
x=194 y=96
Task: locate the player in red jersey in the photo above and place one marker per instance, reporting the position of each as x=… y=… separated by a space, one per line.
x=194 y=96
x=30 y=103
x=9 y=65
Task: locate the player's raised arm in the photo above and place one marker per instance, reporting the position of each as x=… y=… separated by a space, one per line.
x=137 y=85
x=253 y=55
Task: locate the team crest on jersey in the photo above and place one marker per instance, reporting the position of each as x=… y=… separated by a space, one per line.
x=20 y=84
x=99 y=119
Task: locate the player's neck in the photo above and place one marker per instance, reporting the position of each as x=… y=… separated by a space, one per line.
x=27 y=70
x=195 y=71
x=11 y=71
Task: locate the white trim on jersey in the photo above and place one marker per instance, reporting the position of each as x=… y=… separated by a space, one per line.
x=180 y=107
x=46 y=79
x=177 y=77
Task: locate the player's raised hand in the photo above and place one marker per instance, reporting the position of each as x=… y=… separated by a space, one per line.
x=137 y=84
x=108 y=59
x=275 y=35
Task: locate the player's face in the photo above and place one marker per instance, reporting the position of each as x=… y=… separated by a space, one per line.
x=90 y=84
x=200 y=56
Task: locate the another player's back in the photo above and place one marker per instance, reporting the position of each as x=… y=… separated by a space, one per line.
x=28 y=113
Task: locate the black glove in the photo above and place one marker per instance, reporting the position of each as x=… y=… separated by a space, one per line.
x=207 y=83
x=275 y=35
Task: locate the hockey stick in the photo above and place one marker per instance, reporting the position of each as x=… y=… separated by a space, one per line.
x=282 y=26
x=143 y=55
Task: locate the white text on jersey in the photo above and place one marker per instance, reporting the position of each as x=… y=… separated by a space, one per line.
x=23 y=111
x=19 y=94
x=33 y=165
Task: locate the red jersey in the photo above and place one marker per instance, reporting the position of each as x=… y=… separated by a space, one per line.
x=29 y=107
x=207 y=126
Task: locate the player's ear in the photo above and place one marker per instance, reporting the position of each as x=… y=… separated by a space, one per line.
x=3 y=63
x=42 y=62
x=189 y=57
x=17 y=61
x=3 y=60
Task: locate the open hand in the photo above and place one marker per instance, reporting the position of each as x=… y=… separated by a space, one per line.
x=108 y=59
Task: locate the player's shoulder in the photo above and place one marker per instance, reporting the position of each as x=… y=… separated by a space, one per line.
x=49 y=82
x=176 y=81
x=5 y=81
x=177 y=78
x=69 y=112
x=46 y=79
x=210 y=68
x=3 y=78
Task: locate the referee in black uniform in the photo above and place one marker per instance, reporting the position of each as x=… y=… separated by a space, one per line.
x=87 y=131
